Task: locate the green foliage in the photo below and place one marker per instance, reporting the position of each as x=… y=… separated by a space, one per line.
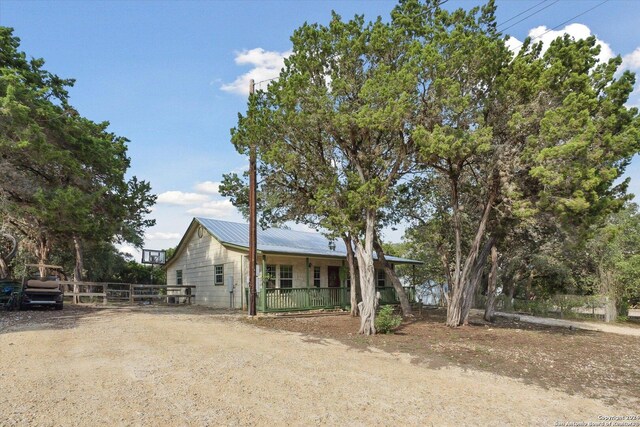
x=614 y=252
x=430 y=117
x=63 y=176
x=386 y=320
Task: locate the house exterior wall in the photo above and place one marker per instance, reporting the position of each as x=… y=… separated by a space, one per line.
x=200 y=255
x=299 y=265
x=197 y=262
x=300 y=270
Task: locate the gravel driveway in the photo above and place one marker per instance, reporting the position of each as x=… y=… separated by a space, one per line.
x=192 y=366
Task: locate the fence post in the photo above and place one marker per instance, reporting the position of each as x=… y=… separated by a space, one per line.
x=104 y=290
x=130 y=293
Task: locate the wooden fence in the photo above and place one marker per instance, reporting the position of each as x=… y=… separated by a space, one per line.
x=130 y=293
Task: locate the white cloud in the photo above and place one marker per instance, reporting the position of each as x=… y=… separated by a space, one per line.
x=129 y=250
x=513 y=44
x=266 y=65
x=159 y=235
x=631 y=61
x=215 y=209
x=578 y=31
x=208 y=187
x=179 y=198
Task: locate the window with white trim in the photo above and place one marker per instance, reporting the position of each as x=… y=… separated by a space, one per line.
x=286 y=276
x=219 y=274
x=178 y=277
x=316 y=277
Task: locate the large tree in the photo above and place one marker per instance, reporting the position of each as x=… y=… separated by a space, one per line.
x=510 y=137
x=330 y=131
x=62 y=180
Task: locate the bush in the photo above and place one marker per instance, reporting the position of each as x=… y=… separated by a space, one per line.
x=386 y=320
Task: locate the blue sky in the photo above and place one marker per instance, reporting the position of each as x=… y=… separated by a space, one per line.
x=171 y=75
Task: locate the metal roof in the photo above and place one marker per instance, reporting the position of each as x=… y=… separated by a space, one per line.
x=280 y=240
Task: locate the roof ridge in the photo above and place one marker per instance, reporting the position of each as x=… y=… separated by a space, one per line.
x=270 y=228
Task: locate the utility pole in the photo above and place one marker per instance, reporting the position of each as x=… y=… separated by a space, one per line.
x=252 y=219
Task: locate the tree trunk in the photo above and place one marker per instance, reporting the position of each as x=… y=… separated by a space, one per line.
x=491 y=287
x=6 y=259
x=79 y=267
x=402 y=295
x=529 y=285
x=461 y=301
x=509 y=289
x=42 y=252
x=364 y=253
x=352 y=275
x=607 y=289
x=463 y=280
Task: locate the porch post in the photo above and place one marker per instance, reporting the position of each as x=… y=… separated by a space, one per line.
x=307 y=266
x=307 y=299
x=343 y=285
x=263 y=288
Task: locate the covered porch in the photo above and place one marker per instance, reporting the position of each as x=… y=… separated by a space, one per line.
x=272 y=300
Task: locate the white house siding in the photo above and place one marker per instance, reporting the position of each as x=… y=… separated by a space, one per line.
x=198 y=260
x=300 y=270
x=299 y=265
x=201 y=254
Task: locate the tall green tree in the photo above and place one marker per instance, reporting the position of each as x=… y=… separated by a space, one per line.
x=329 y=133
x=63 y=177
x=512 y=137
x=615 y=254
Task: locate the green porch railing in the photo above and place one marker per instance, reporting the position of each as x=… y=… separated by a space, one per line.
x=388 y=295
x=300 y=299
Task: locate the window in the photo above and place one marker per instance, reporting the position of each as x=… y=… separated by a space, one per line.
x=178 y=277
x=219 y=274
x=381 y=279
x=316 y=277
x=270 y=276
x=286 y=276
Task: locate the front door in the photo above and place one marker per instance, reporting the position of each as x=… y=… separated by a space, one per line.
x=333 y=274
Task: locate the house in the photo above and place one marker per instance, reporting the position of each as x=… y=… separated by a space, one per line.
x=296 y=270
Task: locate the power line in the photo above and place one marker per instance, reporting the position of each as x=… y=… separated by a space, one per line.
x=529 y=16
x=565 y=22
x=569 y=20
x=523 y=12
x=266 y=80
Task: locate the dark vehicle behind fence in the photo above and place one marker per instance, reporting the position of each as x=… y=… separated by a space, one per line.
x=39 y=290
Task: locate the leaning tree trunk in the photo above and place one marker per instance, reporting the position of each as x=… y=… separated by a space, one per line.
x=6 y=259
x=491 y=288
x=364 y=253
x=477 y=273
x=352 y=275
x=79 y=268
x=461 y=302
x=465 y=276
x=402 y=295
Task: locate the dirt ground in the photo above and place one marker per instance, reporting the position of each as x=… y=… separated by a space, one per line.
x=194 y=366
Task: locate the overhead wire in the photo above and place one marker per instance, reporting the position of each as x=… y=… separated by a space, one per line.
x=523 y=12
x=529 y=16
x=569 y=20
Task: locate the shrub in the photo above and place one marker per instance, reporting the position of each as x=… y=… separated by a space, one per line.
x=386 y=320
